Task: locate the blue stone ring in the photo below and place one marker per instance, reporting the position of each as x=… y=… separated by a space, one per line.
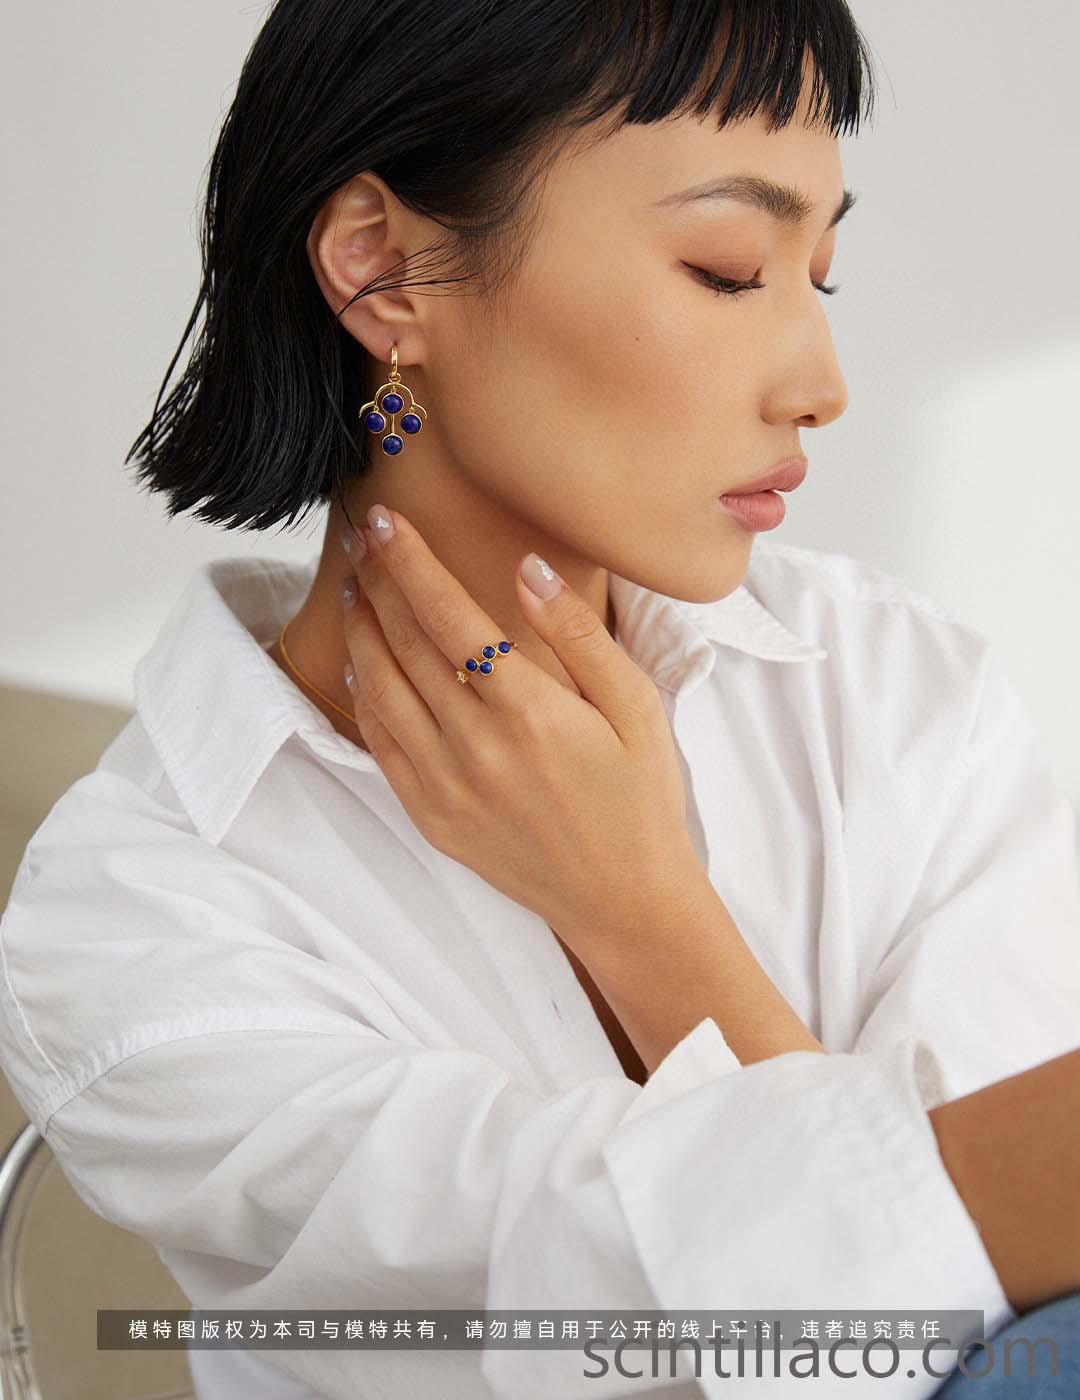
x=485 y=666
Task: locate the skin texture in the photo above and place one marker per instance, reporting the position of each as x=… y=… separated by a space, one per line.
x=598 y=416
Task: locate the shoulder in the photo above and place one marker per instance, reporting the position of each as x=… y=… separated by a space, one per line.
x=87 y=903
x=907 y=672
x=841 y=584
x=871 y=621
x=127 y=798
x=125 y=929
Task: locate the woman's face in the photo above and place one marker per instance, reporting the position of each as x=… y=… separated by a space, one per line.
x=617 y=395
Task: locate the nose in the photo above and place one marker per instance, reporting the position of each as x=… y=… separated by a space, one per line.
x=811 y=390
x=830 y=396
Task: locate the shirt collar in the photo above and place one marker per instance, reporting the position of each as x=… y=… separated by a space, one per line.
x=217 y=708
x=663 y=634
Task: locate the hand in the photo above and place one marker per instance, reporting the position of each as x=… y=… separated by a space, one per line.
x=570 y=804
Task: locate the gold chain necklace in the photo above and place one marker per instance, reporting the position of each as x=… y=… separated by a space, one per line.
x=292 y=667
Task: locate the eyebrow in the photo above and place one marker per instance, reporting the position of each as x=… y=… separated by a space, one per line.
x=784 y=203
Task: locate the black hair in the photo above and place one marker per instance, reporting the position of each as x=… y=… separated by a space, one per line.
x=456 y=104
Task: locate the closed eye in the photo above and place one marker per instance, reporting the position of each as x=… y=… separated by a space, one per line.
x=728 y=286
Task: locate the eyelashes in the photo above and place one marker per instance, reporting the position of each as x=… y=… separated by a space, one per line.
x=728 y=286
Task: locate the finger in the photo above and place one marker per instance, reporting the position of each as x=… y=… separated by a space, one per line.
x=380 y=687
x=577 y=634
x=392 y=759
x=457 y=626
x=432 y=674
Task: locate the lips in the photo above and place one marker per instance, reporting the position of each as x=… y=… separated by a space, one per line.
x=785 y=476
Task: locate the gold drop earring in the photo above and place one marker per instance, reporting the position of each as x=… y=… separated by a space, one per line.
x=379 y=416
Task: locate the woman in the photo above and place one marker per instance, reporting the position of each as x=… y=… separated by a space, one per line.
x=688 y=956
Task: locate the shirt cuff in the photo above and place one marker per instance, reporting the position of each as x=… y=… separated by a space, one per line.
x=818 y=1179
x=698 y=1058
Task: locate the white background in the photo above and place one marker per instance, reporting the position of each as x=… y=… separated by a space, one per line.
x=958 y=327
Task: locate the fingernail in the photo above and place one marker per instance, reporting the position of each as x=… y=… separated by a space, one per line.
x=354 y=546
x=378 y=517
x=350 y=678
x=540 y=578
x=348 y=592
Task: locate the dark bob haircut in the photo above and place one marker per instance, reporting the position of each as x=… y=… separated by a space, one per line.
x=457 y=105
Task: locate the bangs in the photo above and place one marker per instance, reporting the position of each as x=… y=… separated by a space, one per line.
x=665 y=58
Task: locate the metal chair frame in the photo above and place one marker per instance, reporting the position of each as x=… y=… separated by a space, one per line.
x=23 y=1167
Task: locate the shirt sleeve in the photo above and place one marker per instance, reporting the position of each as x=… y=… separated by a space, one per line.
x=986 y=968
x=287 y=1152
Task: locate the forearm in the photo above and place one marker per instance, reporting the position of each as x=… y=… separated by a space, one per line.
x=1013 y=1150
x=689 y=962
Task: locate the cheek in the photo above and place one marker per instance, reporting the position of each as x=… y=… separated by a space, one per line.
x=601 y=357
x=604 y=398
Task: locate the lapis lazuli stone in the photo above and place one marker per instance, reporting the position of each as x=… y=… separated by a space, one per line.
x=411 y=423
x=393 y=403
x=375 y=421
x=392 y=444
x=488 y=651
x=504 y=647
x=471 y=664
x=486 y=667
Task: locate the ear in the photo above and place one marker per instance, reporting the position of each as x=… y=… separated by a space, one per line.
x=362 y=231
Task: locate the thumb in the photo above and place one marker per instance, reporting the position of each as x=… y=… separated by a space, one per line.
x=578 y=636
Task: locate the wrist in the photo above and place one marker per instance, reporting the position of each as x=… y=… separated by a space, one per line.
x=653 y=916
x=683 y=959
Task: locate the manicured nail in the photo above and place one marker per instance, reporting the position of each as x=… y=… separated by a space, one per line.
x=354 y=546
x=348 y=592
x=350 y=678
x=382 y=526
x=540 y=577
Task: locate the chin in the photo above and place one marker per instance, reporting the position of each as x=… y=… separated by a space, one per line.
x=718 y=576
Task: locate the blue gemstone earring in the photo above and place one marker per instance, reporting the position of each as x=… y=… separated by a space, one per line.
x=376 y=415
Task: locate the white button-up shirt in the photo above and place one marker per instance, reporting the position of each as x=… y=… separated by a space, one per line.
x=318 y=1064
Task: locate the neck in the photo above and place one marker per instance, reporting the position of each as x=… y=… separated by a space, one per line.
x=475 y=539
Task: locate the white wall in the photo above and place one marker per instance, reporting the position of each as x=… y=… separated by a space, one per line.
x=958 y=326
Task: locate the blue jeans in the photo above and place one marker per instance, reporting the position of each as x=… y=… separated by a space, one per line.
x=1054 y=1327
